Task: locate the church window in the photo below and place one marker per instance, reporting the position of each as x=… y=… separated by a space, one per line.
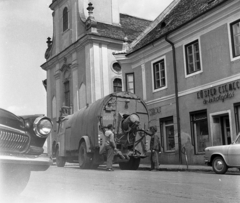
x=117 y=85
x=65 y=19
x=67 y=93
x=116 y=67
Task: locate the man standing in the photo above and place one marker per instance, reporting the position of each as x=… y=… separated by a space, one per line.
x=110 y=146
x=155 y=148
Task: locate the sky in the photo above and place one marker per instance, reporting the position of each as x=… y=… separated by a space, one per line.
x=24 y=28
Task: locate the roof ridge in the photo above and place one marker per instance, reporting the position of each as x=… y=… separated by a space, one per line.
x=135 y=17
x=154 y=23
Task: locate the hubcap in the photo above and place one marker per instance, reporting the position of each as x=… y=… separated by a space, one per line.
x=219 y=165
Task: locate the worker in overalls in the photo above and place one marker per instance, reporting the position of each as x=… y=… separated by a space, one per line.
x=110 y=146
x=155 y=148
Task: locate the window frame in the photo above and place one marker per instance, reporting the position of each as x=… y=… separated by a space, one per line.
x=232 y=44
x=117 y=86
x=158 y=60
x=67 y=96
x=237 y=116
x=185 y=46
x=65 y=20
x=163 y=126
x=112 y=67
x=127 y=82
x=193 y=136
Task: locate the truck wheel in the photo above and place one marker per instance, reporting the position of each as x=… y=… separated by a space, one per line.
x=132 y=164
x=60 y=161
x=219 y=166
x=123 y=165
x=135 y=163
x=83 y=158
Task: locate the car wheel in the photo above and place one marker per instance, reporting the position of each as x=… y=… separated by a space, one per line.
x=14 y=180
x=60 y=161
x=83 y=158
x=219 y=165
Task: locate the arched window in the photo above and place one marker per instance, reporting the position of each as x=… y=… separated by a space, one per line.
x=65 y=19
x=117 y=85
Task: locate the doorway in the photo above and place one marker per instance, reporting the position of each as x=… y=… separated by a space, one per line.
x=221 y=129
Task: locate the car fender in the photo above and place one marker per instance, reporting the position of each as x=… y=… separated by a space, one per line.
x=86 y=139
x=218 y=154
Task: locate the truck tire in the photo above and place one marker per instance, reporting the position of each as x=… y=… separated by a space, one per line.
x=60 y=161
x=135 y=163
x=219 y=166
x=132 y=164
x=83 y=158
x=123 y=165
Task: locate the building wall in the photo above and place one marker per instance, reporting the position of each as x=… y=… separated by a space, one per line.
x=219 y=69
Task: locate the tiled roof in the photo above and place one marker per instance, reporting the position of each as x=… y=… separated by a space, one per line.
x=184 y=12
x=130 y=27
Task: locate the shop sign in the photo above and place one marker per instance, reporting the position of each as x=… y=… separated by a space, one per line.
x=154 y=111
x=219 y=93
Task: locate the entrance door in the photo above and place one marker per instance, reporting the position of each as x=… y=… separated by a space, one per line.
x=221 y=130
x=226 y=130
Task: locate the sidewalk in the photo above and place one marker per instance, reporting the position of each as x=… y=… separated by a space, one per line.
x=184 y=168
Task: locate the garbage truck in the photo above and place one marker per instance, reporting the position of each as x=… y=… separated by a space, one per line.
x=81 y=138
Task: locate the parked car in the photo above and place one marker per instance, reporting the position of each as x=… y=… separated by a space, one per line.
x=223 y=157
x=21 y=149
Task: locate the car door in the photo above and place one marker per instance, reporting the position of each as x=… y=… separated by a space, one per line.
x=234 y=153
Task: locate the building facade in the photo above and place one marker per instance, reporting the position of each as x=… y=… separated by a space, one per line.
x=79 y=63
x=187 y=69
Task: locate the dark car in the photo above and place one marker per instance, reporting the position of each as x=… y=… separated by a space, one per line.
x=21 y=149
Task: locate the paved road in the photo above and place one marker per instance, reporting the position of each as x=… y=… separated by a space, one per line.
x=71 y=184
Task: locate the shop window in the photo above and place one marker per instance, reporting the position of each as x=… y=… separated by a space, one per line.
x=117 y=85
x=167 y=130
x=237 y=117
x=192 y=54
x=65 y=19
x=159 y=74
x=130 y=86
x=235 y=37
x=199 y=127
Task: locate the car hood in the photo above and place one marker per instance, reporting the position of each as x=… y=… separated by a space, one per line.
x=217 y=148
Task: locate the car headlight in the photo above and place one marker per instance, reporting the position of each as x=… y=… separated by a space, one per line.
x=42 y=126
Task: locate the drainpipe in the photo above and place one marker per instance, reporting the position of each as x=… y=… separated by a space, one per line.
x=176 y=97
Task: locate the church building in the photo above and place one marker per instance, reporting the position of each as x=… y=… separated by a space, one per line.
x=79 y=63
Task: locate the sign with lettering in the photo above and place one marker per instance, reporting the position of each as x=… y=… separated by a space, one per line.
x=219 y=93
x=154 y=111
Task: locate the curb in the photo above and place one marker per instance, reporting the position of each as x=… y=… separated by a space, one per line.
x=184 y=168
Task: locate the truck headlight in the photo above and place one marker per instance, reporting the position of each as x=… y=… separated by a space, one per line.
x=42 y=126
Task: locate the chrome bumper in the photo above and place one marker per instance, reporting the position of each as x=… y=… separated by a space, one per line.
x=35 y=163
